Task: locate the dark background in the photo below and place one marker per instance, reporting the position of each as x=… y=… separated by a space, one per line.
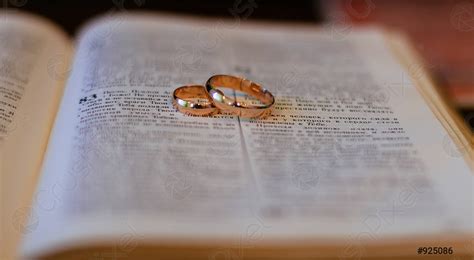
x=72 y=13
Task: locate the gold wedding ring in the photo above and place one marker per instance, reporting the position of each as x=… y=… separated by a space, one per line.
x=198 y=100
x=193 y=100
x=231 y=106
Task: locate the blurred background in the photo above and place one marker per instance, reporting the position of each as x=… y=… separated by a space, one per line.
x=441 y=30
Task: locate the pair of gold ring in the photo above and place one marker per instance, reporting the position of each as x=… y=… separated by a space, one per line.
x=208 y=100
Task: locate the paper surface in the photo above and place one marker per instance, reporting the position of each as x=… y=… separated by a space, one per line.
x=350 y=149
x=33 y=66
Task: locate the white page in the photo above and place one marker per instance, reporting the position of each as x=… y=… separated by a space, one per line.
x=33 y=66
x=123 y=161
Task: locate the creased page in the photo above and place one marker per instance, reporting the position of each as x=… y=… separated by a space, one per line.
x=329 y=164
x=33 y=67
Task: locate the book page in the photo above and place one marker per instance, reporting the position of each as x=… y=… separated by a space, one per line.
x=33 y=67
x=351 y=152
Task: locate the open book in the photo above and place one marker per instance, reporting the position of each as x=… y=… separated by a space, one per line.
x=361 y=156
